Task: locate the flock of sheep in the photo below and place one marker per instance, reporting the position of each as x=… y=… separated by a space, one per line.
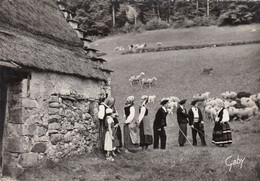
x=136 y=47
x=241 y=106
x=139 y=80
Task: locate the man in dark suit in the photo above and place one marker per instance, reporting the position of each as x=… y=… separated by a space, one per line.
x=196 y=123
x=159 y=124
x=182 y=118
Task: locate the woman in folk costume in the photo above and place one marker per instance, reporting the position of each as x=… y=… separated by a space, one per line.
x=146 y=133
x=130 y=126
x=221 y=131
x=182 y=118
x=108 y=143
x=102 y=117
x=117 y=130
x=104 y=104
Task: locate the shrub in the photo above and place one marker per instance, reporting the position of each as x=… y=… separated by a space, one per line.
x=236 y=15
x=156 y=24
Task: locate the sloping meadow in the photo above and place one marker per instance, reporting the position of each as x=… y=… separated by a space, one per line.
x=178 y=73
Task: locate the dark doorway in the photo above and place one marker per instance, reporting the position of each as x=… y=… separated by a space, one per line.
x=3 y=96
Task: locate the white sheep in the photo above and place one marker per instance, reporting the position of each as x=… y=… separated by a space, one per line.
x=172 y=106
x=174 y=99
x=229 y=95
x=212 y=101
x=121 y=48
x=247 y=102
x=151 y=99
x=210 y=112
x=201 y=97
x=229 y=103
x=148 y=81
x=255 y=98
x=247 y=113
x=136 y=79
x=159 y=44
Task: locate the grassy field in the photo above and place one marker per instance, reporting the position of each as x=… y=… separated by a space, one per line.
x=179 y=37
x=235 y=68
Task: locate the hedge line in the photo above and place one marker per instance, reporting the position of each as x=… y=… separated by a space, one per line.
x=185 y=47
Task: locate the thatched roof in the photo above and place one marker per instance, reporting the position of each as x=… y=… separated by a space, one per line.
x=34 y=34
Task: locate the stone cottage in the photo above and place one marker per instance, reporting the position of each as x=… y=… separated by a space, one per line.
x=49 y=87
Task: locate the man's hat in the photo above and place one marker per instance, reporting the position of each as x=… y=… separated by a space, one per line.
x=183 y=101
x=193 y=102
x=164 y=101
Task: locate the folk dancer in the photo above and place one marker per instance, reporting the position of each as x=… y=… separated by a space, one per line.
x=196 y=123
x=146 y=137
x=130 y=126
x=182 y=118
x=221 y=132
x=159 y=124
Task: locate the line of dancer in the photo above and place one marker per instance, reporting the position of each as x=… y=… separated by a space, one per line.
x=142 y=132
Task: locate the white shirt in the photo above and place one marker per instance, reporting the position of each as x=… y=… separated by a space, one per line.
x=195 y=112
x=101 y=111
x=225 y=117
x=164 y=108
x=131 y=116
x=141 y=115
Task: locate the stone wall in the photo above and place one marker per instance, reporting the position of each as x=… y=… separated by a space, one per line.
x=49 y=116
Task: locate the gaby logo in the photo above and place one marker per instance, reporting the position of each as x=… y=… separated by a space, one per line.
x=230 y=162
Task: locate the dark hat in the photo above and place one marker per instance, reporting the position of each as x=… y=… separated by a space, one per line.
x=182 y=101
x=164 y=101
x=193 y=102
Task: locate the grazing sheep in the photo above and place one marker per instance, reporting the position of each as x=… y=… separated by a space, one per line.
x=172 y=106
x=255 y=98
x=151 y=99
x=232 y=111
x=210 y=112
x=243 y=94
x=135 y=47
x=247 y=113
x=207 y=71
x=121 y=48
x=148 y=81
x=159 y=44
x=212 y=101
x=201 y=97
x=174 y=99
x=229 y=95
x=247 y=102
x=136 y=79
x=228 y=103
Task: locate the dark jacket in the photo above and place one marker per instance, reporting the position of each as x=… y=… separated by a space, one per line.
x=182 y=116
x=160 y=119
x=191 y=116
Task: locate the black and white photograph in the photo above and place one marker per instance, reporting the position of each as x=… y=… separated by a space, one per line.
x=129 y=90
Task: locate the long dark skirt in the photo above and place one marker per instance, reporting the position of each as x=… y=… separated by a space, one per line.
x=102 y=132
x=128 y=144
x=145 y=140
x=221 y=134
x=182 y=138
x=118 y=133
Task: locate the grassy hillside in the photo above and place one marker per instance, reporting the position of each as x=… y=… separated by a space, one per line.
x=179 y=72
x=177 y=37
x=235 y=68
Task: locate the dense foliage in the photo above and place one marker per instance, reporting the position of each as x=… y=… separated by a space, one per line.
x=113 y=16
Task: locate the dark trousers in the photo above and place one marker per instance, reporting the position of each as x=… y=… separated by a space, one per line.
x=199 y=128
x=182 y=138
x=159 y=135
